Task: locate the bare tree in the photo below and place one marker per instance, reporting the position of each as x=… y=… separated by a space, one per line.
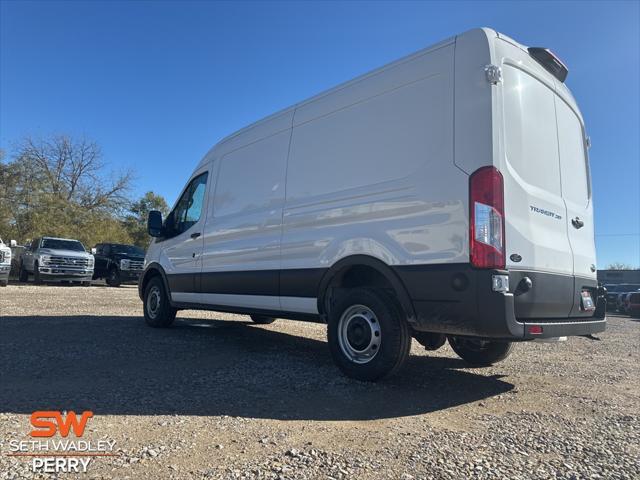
x=619 y=266
x=73 y=170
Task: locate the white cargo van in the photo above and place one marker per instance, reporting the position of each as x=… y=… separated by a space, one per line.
x=445 y=195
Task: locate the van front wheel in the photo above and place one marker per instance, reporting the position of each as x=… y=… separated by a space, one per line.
x=368 y=334
x=157 y=308
x=479 y=352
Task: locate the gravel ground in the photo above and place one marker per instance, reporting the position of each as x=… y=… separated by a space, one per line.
x=218 y=397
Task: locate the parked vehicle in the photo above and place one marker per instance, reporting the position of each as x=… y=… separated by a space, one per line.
x=387 y=210
x=53 y=259
x=16 y=255
x=624 y=302
x=620 y=302
x=118 y=263
x=634 y=305
x=614 y=291
x=5 y=263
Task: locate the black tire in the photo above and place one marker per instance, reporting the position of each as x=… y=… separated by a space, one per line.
x=158 y=311
x=4 y=283
x=368 y=334
x=478 y=352
x=86 y=284
x=36 y=274
x=113 y=278
x=262 y=319
x=23 y=275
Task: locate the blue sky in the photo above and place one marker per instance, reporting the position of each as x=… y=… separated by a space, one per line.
x=158 y=83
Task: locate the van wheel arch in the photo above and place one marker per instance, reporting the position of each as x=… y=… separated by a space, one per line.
x=338 y=277
x=153 y=270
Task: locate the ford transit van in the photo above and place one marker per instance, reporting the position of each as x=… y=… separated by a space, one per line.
x=445 y=196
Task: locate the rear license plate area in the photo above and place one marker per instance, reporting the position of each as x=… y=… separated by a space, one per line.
x=586 y=301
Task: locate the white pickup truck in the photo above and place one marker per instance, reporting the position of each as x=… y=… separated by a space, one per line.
x=5 y=263
x=57 y=259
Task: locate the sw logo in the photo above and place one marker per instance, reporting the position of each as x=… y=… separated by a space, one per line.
x=44 y=427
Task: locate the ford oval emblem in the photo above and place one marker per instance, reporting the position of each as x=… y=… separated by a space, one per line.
x=515 y=257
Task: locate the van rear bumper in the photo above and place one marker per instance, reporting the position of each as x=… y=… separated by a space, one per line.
x=459 y=300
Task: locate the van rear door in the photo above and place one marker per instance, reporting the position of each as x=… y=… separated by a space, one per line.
x=549 y=228
x=535 y=230
x=576 y=188
x=576 y=192
x=536 y=236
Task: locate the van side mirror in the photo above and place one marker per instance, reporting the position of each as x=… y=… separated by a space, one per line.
x=94 y=250
x=13 y=243
x=154 y=223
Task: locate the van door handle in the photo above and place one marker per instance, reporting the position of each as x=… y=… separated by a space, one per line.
x=577 y=223
x=195 y=235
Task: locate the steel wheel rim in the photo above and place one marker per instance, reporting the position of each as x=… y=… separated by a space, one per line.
x=359 y=334
x=153 y=302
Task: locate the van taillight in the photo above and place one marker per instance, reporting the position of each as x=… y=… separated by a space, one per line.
x=486 y=211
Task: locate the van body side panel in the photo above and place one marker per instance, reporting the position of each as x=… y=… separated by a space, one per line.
x=242 y=234
x=364 y=169
x=473 y=100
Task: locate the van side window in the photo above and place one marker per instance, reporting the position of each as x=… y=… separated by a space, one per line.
x=189 y=208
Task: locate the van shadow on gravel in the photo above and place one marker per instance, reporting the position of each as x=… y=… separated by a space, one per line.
x=118 y=366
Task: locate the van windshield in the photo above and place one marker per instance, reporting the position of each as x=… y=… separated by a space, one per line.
x=58 y=244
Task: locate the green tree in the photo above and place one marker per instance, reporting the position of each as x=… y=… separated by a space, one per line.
x=136 y=221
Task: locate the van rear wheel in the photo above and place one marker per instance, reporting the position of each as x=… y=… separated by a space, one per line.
x=158 y=311
x=479 y=352
x=262 y=319
x=368 y=334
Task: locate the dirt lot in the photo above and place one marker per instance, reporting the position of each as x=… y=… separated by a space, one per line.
x=218 y=397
